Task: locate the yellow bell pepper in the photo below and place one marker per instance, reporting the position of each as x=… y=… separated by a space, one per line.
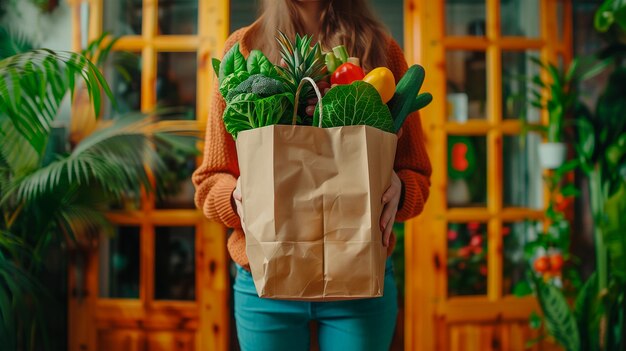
x=382 y=79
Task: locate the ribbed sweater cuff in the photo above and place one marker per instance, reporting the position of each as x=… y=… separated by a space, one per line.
x=411 y=195
x=222 y=194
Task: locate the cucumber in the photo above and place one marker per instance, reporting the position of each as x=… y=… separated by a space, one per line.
x=406 y=100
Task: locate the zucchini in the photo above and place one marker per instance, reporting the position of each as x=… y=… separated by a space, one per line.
x=406 y=99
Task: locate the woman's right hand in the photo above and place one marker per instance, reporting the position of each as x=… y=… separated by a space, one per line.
x=237 y=199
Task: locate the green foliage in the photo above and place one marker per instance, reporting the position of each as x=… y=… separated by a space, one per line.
x=559 y=320
x=611 y=12
x=50 y=194
x=257 y=63
x=33 y=85
x=248 y=111
x=301 y=60
x=354 y=104
x=258 y=84
x=231 y=82
x=232 y=62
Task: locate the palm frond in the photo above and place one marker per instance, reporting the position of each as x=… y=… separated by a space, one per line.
x=15 y=150
x=114 y=158
x=13 y=42
x=33 y=85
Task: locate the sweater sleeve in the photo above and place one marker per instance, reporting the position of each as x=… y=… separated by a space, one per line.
x=412 y=163
x=216 y=177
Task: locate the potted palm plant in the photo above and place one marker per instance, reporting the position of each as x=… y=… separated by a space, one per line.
x=561 y=89
x=51 y=192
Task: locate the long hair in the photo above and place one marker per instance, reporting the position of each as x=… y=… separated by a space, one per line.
x=347 y=22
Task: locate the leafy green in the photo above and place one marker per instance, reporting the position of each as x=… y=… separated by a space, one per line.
x=232 y=81
x=232 y=62
x=354 y=104
x=258 y=63
x=248 y=111
x=257 y=84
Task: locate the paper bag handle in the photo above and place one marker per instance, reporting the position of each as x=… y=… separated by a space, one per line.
x=319 y=99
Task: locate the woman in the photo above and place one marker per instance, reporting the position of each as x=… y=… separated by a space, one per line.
x=264 y=324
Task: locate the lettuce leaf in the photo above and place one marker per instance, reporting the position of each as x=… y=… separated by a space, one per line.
x=354 y=104
x=233 y=62
x=259 y=64
x=248 y=111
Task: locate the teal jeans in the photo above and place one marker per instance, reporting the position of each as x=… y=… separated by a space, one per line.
x=277 y=325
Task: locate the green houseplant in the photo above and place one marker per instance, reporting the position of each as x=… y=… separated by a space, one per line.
x=596 y=320
x=54 y=193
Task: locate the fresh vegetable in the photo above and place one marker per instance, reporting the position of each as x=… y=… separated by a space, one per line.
x=354 y=104
x=341 y=53
x=248 y=111
x=355 y=61
x=382 y=79
x=257 y=84
x=301 y=60
x=332 y=62
x=257 y=63
x=346 y=74
x=232 y=81
x=233 y=62
x=406 y=100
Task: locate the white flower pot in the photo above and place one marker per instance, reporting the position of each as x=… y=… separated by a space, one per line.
x=552 y=155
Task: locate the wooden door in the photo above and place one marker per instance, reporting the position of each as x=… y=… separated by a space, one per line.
x=161 y=283
x=464 y=253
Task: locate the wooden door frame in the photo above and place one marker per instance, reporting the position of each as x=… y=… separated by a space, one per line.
x=209 y=315
x=427 y=309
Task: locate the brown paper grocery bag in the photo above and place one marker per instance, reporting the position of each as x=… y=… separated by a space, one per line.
x=311 y=209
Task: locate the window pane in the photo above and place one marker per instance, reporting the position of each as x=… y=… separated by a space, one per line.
x=467 y=171
x=523 y=186
x=467 y=84
x=123 y=73
x=122 y=17
x=119 y=264
x=467 y=259
x=465 y=17
x=517 y=91
x=519 y=18
x=176 y=89
x=174 y=271
x=178 y=17
x=514 y=238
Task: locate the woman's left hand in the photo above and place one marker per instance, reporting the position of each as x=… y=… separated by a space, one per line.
x=391 y=200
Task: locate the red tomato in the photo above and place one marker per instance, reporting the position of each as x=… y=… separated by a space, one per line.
x=346 y=74
x=542 y=264
x=556 y=262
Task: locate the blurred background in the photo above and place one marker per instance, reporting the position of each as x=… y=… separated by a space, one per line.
x=500 y=222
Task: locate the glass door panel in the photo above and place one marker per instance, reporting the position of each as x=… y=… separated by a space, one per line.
x=178 y=17
x=466 y=85
x=176 y=95
x=467 y=171
x=514 y=237
x=523 y=186
x=174 y=271
x=467 y=259
x=465 y=17
x=517 y=92
x=122 y=17
x=520 y=18
x=119 y=264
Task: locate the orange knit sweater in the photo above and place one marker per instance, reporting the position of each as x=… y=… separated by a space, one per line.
x=216 y=178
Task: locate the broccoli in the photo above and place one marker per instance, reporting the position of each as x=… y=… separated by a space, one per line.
x=257 y=84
